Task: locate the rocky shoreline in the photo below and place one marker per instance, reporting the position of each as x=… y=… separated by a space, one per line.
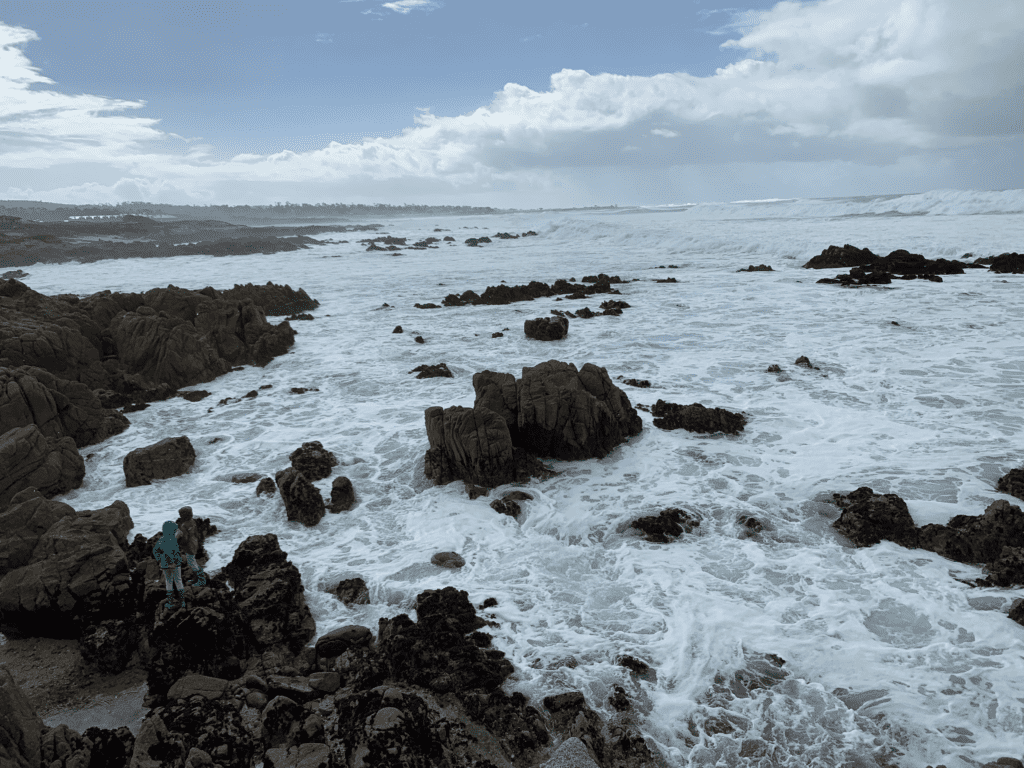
x=239 y=676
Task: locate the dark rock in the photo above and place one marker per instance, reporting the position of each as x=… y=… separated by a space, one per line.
x=506 y=507
x=1017 y=611
x=471 y=444
x=642 y=383
x=273 y=299
x=109 y=645
x=269 y=593
x=1007 y=264
x=546 y=328
x=667 y=280
x=249 y=477
x=353 y=592
x=868 y=518
x=194 y=396
x=419 y=340
x=601 y=278
x=498 y=392
x=207 y=638
x=847 y=256
x=61 y=569
x=517 y=496
x=803 y=361
x=170 y=457
x=398 y=329
x=20 y=727
x=428 y=306
x=666 y=525
x=312 y=460
x=304 y=390
x=697 y=418
x=1007 y=570
x=773 y=368
x=343 y=496
x=749 y=526
x=975 y=539
x=29 y=459
x=342 y=639
x=758 y=268
x=476 y=491
x=447 y=559
x=301 y=316
x=59 y=407
x=266 y=487
x=302 y=500
x=1012 y=483
x=572 y=414
x=432 y=371
x=497 y=335
x=251 y=394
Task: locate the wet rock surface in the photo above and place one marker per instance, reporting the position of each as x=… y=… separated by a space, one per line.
x=170 y=457
x=697 y=418
x=995 y=538
x=546 y=328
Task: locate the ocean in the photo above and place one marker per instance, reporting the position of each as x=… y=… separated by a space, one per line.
x=887 y=651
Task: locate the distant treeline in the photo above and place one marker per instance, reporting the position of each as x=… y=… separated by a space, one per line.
x=277 y=212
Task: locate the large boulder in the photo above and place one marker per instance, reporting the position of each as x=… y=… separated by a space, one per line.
x=471 y=444
x=976 y=539
x=63 y=569
x=29 y=459
x=546 y=328
x=302 y=499
x=270 y=596
x=170 y=457
x=869 y=517
x=20 y=727
x=59 y=407
x=498 y=392
x=572 y=414
x=343 y=495
x=312 y=460
x=696 y=418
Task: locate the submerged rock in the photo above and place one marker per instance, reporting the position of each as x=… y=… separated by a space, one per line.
x=697 y=418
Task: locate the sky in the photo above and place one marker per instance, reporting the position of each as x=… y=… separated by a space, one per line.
x=512 y=105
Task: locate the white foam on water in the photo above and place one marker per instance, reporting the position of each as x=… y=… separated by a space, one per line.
x=930 y=409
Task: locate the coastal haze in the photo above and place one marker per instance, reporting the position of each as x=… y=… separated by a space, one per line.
x=360 y=150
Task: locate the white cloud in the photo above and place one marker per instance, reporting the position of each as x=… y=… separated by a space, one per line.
x=405 y=6
x=862 y=82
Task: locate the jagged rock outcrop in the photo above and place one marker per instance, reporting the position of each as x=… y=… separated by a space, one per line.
x=59 y=407
x=29 y=459
x=313 y=460
x=302 y=499
x=847 y=256
x=571 y=414
x=697 y=418
x=20 y=727
x=554 y=410
x=61 y=570
x=171 y=457
x=274 y=299
x=270 y=596
x=1008 y=264
x=995 y=538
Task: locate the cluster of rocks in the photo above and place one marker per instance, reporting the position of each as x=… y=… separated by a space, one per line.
x=995 y=538
x=432 y=371
x=610 y=307
x=66 y=364
x=555 y=410
x=507 y=294
x=758 y=268
x=303 y=501
x=867 y=268
x=232 y=681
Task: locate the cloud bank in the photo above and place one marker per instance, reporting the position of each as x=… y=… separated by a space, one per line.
x=826 y=98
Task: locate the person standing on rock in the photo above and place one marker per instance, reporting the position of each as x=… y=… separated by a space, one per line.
x=188 y=541
x=168 y=555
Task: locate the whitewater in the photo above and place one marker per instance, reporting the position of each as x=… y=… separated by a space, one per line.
x=888 y=652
